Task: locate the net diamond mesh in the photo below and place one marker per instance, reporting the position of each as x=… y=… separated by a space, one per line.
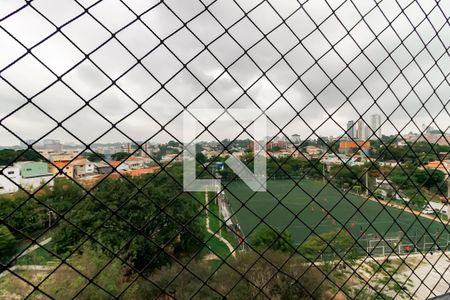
x=336 y=221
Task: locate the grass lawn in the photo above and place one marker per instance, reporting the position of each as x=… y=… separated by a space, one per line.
x=40 y=256
x=317 y=208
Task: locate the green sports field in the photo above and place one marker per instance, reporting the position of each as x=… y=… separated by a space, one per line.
x=319 y=208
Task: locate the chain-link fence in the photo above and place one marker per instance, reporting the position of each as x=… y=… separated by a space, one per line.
x=317 y=141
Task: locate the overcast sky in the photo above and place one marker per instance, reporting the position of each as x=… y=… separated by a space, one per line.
x=365 y=57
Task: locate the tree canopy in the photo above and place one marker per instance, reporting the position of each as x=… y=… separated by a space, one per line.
x=120 y=156
x=152 y=226
x=266 y=237
x=6 y=243
x=8 y=156
x=95 y=157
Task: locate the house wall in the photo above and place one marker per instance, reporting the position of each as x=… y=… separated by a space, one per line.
x=62 y=156
x=83 y=167
x=34 y=169
x=67 y=170
x=13 y=175
x=104 y=170
x=123 y=167
x=8 y=177
x=33 y=183
x=135 y=164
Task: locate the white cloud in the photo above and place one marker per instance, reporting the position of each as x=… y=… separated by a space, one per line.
x=359 y=61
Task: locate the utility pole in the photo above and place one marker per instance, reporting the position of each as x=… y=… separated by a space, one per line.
x=323 y=173
x=448 y=198
x=50 y=213
x=206 y=200
x=367 y=183
x=219 y=204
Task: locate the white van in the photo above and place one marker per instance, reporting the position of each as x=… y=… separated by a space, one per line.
x=428 y=210
x=433 y=207
x=402 y=198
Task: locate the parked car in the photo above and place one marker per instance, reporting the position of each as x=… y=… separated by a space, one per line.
x=402 y=197
x=428 y=210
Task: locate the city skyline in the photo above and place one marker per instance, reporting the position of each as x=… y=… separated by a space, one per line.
x=232 y=70
x=363 y=129
x=351 y=132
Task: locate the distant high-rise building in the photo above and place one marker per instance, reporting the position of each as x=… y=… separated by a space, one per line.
x=360 y=130
x=351 y=129
x=367 y=133
x=375 y=126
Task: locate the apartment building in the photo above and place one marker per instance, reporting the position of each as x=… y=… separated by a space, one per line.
x=27 y=175
x=34 y=175
x=78 y=168
x=9 y=180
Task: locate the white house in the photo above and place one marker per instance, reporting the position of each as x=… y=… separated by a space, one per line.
x=388 y=163
x=27 y=175
x=9 y=179
x=83 y=167
x=119 y=166
x=135 y=162
x=333 y=159
x=33 y=183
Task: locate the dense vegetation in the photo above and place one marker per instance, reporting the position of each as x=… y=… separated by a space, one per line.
x=417 y=153
x=9 y=156
x=120 y=156
x=147 y=223
x=95 y=157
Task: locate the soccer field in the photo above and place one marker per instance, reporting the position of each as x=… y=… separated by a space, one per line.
x=313 y=207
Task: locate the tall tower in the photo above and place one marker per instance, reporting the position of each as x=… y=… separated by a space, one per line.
x=367 y=133
x=375 y=126
x=360 y=129
x=351 y=129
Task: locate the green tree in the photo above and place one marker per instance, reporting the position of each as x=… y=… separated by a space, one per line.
x=429 y=178
x=200 y=158
x=267 y=238
x=95 y=157
x=162 y=233
x=64 y=194
x=120 y=156
x=329 y=244
x=173 y=144
x=8 y=156
x=6 y=243
x=23 y=213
